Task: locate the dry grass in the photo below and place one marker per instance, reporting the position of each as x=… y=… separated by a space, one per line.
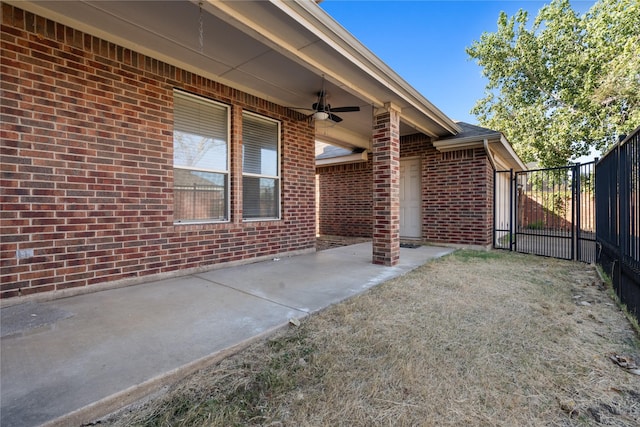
x=475 y=338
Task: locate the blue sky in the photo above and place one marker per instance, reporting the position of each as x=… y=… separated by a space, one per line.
x=424 y=42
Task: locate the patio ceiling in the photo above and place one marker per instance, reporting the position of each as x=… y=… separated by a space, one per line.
x=277 y=50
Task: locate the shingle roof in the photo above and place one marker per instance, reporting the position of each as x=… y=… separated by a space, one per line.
x=331 y=151
x=469 y=130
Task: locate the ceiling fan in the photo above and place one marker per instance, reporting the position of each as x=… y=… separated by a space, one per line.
x=322 y=110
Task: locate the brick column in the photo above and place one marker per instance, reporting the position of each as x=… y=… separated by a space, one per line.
x=386 y=187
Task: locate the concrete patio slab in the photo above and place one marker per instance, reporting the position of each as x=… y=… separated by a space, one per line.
x=93 y=353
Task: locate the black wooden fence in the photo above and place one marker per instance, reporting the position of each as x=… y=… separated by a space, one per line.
x=618 y=219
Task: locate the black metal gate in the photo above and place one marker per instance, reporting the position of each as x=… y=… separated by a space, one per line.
x=548 y=212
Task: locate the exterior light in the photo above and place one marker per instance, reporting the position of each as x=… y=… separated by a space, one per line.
x=320 y=115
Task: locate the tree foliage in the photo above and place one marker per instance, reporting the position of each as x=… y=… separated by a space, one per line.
x=565 y=83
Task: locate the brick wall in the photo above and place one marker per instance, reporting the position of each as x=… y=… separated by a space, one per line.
x=458 y=197
x=87 y=165
x=457 y=193
x=346 y=199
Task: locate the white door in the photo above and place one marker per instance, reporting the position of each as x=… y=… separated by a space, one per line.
x=410 y=199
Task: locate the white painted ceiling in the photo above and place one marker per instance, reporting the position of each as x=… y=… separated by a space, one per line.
x=275 y=50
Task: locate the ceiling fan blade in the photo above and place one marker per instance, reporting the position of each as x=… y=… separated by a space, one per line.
x=321 y=106
x=334 y=118
x=345 y=109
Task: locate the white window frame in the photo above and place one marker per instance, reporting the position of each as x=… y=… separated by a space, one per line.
x=277 y=177
x=227 y=194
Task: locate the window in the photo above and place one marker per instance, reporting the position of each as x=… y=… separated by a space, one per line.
x=260 y=167
x=200 y=159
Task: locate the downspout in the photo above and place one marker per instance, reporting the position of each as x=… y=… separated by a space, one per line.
x=485 y=143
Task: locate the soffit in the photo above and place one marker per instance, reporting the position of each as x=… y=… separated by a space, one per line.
x=275 y=50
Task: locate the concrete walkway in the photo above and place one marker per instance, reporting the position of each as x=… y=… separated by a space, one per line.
x=73 y=360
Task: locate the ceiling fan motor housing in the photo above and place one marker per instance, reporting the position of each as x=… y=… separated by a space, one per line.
x=322 y=107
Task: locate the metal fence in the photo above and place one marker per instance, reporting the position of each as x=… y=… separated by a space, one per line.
x=618 y=219
x=548 y=212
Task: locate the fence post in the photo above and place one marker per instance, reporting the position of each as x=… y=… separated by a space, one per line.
x=513 y=210
x=575 y=228
x=495 y=208
x=623 y=207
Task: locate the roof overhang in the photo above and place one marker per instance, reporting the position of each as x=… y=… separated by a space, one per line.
x=275 y=50
x=499 y=150
x=342 y=160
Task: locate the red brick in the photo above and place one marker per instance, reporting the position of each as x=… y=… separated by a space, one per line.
x=101 y=167
x=457 y=194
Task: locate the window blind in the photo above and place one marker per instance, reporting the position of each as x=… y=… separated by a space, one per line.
x=200 y=133
x=259 y=146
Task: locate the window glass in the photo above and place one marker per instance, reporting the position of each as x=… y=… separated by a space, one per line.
x=260 y=197
x=260 y=167
x=200 y=159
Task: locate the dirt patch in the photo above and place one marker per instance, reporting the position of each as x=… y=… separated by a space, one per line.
x=474 y=338
x=328 y=242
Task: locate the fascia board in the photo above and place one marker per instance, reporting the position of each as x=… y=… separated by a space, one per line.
x=314 y=19
x=454 y=144
x=251 y=25
x=351 y=158
x=505 y=144
x=496 y=139
x=458 y=145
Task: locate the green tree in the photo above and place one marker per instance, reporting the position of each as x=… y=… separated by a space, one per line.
x=565 y=83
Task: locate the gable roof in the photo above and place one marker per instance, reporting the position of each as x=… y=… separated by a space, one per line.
x=472 y=131
x=498 y=148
